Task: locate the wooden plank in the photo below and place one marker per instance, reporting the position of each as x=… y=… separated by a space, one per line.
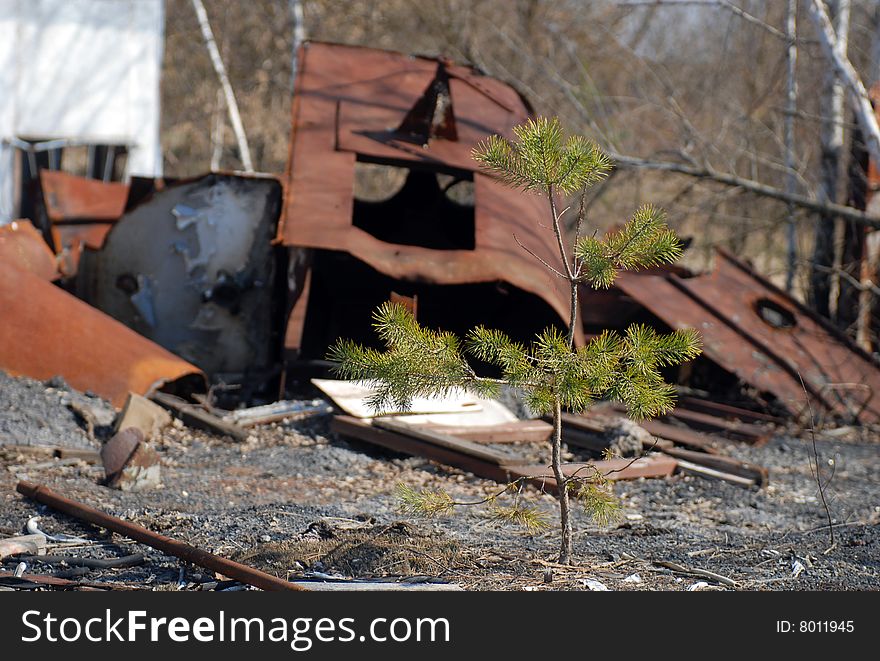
x=757 y=475
x=652 y=465
x=439 y=439
x=392 y=440
x=22 y=545
x=574 y=437
x=741 y=431
x=726 y=411
x=521 y=431
x=193 y=416
x=705 y=471
x=599 y=415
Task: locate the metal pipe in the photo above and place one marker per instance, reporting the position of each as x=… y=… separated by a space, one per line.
x=167 y=545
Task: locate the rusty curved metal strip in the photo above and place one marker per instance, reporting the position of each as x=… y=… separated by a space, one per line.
x=44 y=332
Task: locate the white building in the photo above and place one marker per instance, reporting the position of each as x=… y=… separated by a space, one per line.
x=85 y=72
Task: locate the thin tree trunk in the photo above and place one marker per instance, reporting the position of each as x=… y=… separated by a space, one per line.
x=562 y=484
x=231 y=104
x=790 y=110
x=831 y=146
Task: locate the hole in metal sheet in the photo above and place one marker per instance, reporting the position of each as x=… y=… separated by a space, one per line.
x=775 y=315
x=427 y=209
x=127 y=283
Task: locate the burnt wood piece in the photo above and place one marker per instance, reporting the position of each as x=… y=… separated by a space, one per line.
x=521 y=431
x=199 y=418
x=402 y=441
x=757 y=475
x=596 y=422
x=484 y=462
x=582 y=432
x=727 y=411
x=652 y=465
x=741 y=431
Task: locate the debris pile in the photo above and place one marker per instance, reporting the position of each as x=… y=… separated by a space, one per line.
x=207 y=302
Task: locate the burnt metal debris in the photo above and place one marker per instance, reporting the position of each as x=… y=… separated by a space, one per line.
x=765 y=338
x=383 y=195
x=48 y=332
x=193 y=269
x=243 y=279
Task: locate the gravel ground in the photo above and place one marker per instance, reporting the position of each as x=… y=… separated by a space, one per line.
x=296 y=500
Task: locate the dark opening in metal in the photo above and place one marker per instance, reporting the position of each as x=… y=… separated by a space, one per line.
x=415 y=207
x=775 y=315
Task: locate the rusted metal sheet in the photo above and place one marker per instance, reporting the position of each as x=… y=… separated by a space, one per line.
x=44 y=332
x=359 y=104
x=23 y=246
x=767 y=339
x=67 y=197
x=192 y=268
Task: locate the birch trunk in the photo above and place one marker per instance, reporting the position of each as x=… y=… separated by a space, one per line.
x=831 y=150
x=790 y=109
x=231 y=104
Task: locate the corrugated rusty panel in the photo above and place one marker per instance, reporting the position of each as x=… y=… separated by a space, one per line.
x=44 y=332
x=347 y=104
x=23 y=246
x=68 y=197
x=725 y=306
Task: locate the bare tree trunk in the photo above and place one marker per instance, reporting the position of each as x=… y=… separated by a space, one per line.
x=858 y=94
x=220 y=69
x=870 y=254
x=562 y=484
x=831 y=145
x=299 y=36
x=217 y=133
x=790 y=110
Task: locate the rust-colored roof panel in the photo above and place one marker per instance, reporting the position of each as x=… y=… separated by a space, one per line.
x=348 y=103
x=44 y=332
x=68 y=197
x=764 y=337
x=22 y=245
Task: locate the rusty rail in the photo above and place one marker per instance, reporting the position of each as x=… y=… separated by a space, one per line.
x=167 y=545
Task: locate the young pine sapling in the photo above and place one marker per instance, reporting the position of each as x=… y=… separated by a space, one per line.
x=553 y=372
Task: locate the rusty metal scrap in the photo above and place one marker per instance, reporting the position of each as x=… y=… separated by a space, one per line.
x=47 y=332
x=129 y=463
x=68 y=198
x=767 y=339
x=165 y=544
x=80 y=212
x=22 y=245
x=356 y=104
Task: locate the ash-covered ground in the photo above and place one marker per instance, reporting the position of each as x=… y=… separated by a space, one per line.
x=297 y=501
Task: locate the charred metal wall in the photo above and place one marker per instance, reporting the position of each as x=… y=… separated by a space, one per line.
x=193 y=268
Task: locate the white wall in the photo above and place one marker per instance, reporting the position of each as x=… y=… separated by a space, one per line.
x=87 y=70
